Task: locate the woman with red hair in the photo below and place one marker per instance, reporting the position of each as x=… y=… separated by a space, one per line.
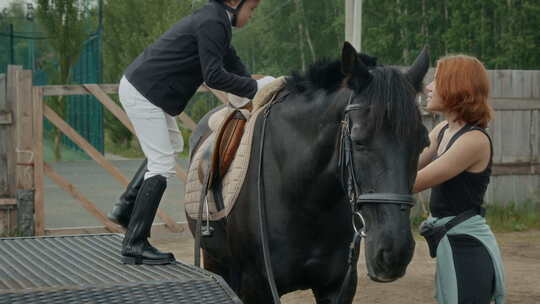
x=457 y=168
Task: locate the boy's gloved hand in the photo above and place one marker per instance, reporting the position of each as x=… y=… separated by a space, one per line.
x=261 y=83
x=237 y=102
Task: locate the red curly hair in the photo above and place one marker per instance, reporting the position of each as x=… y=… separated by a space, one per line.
x=463 y=85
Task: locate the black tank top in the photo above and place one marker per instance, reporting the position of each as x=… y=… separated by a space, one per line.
x=466 y=190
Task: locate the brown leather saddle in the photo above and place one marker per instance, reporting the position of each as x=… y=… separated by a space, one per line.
x=219 y=158
x=227 y=144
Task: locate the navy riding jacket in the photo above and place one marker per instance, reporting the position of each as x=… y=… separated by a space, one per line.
x=196 y=49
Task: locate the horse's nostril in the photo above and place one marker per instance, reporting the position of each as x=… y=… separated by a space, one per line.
x=387 y=256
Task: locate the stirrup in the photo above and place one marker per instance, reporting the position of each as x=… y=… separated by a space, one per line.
x=207 y=231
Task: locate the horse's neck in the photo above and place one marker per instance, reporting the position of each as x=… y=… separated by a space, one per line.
x=321 y=115
x=315 y=111
x=309 y=128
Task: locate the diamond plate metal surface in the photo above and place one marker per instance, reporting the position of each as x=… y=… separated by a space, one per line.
x=87 y=269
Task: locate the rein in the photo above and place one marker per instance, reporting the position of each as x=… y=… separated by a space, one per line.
x=350 y=185
x=263 y=223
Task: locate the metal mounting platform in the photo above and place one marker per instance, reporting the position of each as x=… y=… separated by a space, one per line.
x=87 y=269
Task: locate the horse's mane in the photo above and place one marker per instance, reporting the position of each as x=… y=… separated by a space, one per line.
x=392 y=97
x=389 y=93
x=323 y=74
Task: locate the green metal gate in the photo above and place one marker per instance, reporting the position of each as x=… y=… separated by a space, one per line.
x=21 y=43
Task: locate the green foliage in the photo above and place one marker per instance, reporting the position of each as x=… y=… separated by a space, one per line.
x=64 y=23
x=284 y=35
x=504 y=217
x=15 y=233
x=502 y=34
x=514 y=217
x=129 y=27
x=14 y=15
x=67 y=153
x=287 y=35
x=128 y=149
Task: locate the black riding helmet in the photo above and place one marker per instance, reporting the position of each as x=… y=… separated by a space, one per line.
x=233 y=11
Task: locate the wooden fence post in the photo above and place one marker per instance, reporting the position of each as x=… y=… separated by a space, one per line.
x=6 y=121
x=7 y=201
x=8 y=210
x=24 y=172
x=39 y=206
x=9 y=107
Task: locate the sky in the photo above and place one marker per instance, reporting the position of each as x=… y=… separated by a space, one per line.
x=5 y=3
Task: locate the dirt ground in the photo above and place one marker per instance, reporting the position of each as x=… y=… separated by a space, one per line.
x=521 y=255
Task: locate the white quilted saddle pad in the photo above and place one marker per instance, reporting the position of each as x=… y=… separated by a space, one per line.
x=234 y=179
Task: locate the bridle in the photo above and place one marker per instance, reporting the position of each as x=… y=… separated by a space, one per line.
x=349 y=180
x=356 y=198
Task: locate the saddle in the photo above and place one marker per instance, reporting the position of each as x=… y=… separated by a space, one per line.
x=227 y=143
x=222 y=155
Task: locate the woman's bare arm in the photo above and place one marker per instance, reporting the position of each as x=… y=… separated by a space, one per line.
x=427 y=155
x=470 y=149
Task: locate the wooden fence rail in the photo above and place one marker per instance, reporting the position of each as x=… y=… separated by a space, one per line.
x=100 y=92
x=27 y=102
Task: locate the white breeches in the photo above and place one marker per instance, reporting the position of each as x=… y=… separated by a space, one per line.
x=157 y=131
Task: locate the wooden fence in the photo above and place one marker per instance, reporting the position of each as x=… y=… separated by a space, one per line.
x=515 y=131
x=22 y=113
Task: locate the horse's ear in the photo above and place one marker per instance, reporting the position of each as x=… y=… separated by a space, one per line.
x=348 y=59
x=353 y=67
x=418 y=70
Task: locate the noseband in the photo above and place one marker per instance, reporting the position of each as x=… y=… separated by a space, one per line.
x=348 y=178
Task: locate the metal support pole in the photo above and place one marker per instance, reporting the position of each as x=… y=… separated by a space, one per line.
x=100 y=10
x=353 y=23
x=357 y=38
x=32 y=49
x=11 y=45
x=100 y=41
x=349 y=6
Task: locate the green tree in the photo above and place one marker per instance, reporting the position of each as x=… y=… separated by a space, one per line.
x=290 y=35
x=14 y=15
x=287 y=35
x=129 y=27
x=64 y=23
x=503 y=34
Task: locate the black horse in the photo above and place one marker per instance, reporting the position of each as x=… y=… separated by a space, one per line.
x=309 y=215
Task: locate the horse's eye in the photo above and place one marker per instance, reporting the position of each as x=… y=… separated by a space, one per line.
x=360 y=146
x=359 y=134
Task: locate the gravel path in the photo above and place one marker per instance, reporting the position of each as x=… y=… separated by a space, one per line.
x=521 y=255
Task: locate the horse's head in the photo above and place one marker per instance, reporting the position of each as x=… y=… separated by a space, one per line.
x=385 y=135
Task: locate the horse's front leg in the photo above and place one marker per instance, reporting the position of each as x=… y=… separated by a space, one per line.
x=255 y=289
x=216 y=266
x=331 y=294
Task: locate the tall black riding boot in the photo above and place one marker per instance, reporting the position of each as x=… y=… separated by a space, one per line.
x=135 y=247
x=124 y=207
